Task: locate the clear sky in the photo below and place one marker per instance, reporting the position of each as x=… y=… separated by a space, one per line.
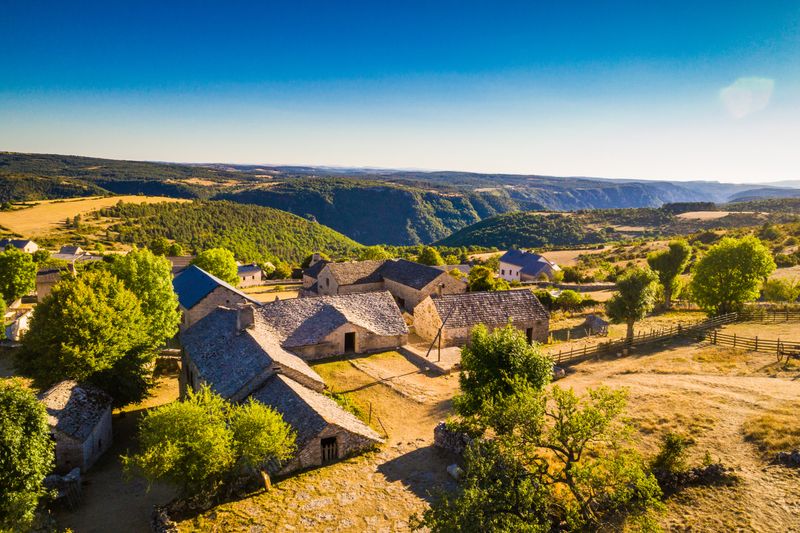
x=638 y=89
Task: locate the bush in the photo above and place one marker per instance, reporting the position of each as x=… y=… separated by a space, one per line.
x=569 y=300
x=672 y=454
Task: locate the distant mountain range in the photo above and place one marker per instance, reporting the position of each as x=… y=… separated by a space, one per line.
x=368 y=205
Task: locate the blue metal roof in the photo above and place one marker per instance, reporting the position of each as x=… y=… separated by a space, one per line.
x=194 y=284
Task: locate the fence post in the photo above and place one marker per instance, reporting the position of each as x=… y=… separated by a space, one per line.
x=756 y=349
x=734 y=340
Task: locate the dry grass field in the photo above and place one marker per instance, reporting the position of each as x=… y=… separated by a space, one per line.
x=269 y=293
x=47 y=216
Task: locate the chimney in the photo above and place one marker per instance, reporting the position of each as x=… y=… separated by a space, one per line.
x=315 y=258
x=439 y=289
x=245 y=316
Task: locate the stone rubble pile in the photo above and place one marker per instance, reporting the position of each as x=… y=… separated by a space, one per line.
x=788 y=458
x=453 y=441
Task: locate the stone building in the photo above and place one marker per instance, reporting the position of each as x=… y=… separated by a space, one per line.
x=239 y=355
x=408 y=282
x=200 y=293
x=250 y=275
x=520 y=265
x=314 y=328
x=24 y=245
x=45 y=280
x=80 y=422
x=462 y=312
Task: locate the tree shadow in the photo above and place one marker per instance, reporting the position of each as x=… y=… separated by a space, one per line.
x=423 y=471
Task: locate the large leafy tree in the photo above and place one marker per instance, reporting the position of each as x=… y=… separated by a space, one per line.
x=149 y=277
x=218 y=262
x=376 y=252
x=2 y=317
x=26 y=454
x=482 y=278
x=636 y=296
x=496 y=364
x=17 y=273
x=430 y=256
x=90 y=327
x=556 y=461
x=668 y=265
x=202 y=442
x=730 y=274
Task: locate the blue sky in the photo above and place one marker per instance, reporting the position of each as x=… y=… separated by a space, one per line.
x=668 y=90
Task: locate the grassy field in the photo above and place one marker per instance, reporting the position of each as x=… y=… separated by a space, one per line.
x=266 y=293
x=48 y=216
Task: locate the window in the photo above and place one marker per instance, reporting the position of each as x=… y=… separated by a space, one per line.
x=503 y=272
x=529 y=335
x=327 y=282
x=330 y=449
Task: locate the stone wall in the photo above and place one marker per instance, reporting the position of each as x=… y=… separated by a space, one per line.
x=452 y=441
x=69 y=454
x=98 y=442
x=333 y=344
x=251 y=279
x=217 y=297
x=310 y=455
x=427 y=320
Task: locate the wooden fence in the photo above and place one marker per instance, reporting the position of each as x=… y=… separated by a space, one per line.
x=754 y=344
x=576 y=355
x=757 y=313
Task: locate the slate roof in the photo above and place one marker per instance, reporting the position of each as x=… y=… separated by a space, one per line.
x=179 y=263
x=491 y=308
x=231 y=360
x=307 y=411
x=305 y=321
x=314 y=270
x=70 y=250
x=74 y=410
x=193 y=284
x=531 y=264
x=409 y=273
x=16 y=243
x=356 y=272
x=252 y=268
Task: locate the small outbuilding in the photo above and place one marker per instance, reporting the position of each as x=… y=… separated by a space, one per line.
x=24 y=245
x=250 y=275
x=80 y=423
x=521 y=265
x=457 y=314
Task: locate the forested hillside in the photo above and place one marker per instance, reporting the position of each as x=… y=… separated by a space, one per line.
x=252 y=233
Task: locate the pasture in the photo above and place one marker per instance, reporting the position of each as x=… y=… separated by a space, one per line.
x=49 y=215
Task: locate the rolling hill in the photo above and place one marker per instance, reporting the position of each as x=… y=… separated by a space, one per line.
x=368 y=205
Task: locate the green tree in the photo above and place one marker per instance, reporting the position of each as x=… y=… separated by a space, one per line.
x=2 y=317
x=669 y=264
x=202 y=442
x=781 y=290
x=482 y=278
x=374 y=253
x=430 y=256
x=218 y=262
x=569 y=299
x=283 y=270
x=91 y=327
x=635 y=298
x=497 y=363
x=556 y=461
x=149 y=277
x=174 y=250
x=17 y=273
x=730 y=274
x=159 y=245
x=26 y=454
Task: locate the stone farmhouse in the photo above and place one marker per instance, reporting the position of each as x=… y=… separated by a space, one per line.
x=25 y=245
x=80 y=423
x=200 y=293
x=461 y=312
x=239 y=355
x=314 y=328
x=407 y=281
x=520 y=265
x=250 y=275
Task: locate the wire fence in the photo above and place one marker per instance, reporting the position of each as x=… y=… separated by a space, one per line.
x=578 y=354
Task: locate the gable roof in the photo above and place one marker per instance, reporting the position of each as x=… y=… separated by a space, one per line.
x=69 y=249
x=74 y=410
x=493 y=308
x=251 y=268
x=16 y=243
x=409 y=273
x=304 y=321
x=193 y=284
x=232 y=361
x=307 y=411
x=530 y=263
x=314 y=270
x=356 y=272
